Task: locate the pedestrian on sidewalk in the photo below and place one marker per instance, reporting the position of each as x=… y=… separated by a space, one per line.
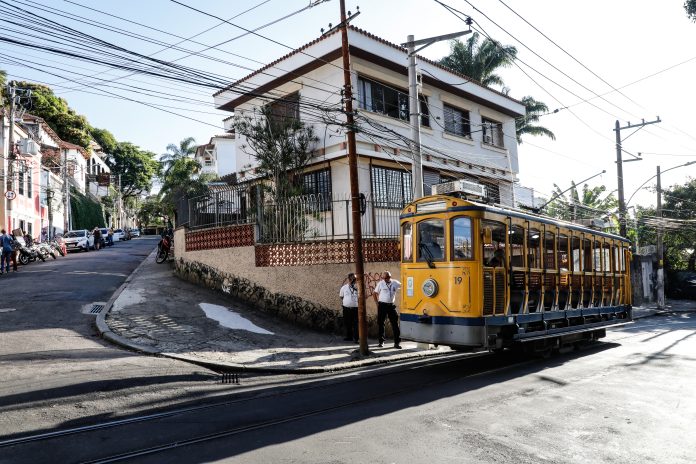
x=110 y=236
x=385 y=297
x=349 y=301
x=97 y=238
x=6 y=242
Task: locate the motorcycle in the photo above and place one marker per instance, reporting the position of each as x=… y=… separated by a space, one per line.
x=28 y=251
x=46 y=250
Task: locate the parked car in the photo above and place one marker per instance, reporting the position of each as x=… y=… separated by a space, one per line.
x=135 y=233
x=78 y=240
x=118 y=235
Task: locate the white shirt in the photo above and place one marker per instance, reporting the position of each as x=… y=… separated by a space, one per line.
x=386 y=292
x=349 y=294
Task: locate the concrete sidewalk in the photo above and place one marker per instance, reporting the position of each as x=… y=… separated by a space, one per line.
x=157 y=313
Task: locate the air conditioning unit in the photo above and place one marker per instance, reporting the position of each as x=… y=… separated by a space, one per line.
x=28 y=147
x=460 y=186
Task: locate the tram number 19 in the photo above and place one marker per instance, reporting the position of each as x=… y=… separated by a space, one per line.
x=457 y=280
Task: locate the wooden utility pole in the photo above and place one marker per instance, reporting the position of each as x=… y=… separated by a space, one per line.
x=354 y=186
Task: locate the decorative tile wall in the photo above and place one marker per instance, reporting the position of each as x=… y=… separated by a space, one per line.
x=334 y=252
x=220 y=237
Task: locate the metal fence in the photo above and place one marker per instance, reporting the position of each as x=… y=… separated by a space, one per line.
x=299 y=219
x=217 y=208
x=316 y=217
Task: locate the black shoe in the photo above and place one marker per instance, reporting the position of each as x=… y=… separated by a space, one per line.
x=398 y=347
x=380 y=345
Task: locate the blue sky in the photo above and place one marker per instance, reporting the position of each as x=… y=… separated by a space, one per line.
x=621 y=41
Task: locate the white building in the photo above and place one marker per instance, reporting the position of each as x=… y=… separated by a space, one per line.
x=467 y=130
x=218 y=156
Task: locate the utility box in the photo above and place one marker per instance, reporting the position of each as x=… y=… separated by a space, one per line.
x=28 y=147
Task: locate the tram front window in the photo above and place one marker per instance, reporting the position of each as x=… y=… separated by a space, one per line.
x=431 y=240
x=461 y=238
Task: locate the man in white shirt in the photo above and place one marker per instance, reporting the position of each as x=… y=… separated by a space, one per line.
x=385 y=296
x=349 y=301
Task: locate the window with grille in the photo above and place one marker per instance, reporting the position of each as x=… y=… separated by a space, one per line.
x=492 y=132
x=380 y=98
x=285 y=109
x=318 y=183
x=457 y=121
x=391 y=188
x=30 y=191
x=20 y=183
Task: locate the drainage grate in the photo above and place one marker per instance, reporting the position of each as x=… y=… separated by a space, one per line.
x=229 y=378
x=96 y=309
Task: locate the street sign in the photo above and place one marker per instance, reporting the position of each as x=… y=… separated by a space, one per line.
x=10 y=195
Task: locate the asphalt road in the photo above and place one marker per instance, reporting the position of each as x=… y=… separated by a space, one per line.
x=56 y=370
x=628 y=399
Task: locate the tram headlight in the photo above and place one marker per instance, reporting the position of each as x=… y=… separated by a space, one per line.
x=430 y=288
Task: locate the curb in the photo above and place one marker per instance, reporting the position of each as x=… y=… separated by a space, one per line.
x=107 y=334
x=103 y=328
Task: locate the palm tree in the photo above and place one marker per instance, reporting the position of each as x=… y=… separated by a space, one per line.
x=185 y=149
x=479 y=61
x=533 y=110
x=590 y=203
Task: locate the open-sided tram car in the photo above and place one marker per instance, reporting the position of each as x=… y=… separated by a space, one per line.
x=482 y=276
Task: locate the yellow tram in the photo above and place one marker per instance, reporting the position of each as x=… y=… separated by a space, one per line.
x=476 y=275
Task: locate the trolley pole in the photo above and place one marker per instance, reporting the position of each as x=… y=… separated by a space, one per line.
x=354 y=187
x=660 y=248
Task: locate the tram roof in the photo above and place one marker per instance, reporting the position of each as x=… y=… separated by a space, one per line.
x=468 y=205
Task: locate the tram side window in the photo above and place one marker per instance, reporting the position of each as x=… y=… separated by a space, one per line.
x=619 y=265
x=494 y=253
x=586 y=255
x=549 y=251
x=407 y=242
x=517 y=246
x=562 y=246
x=597 y=261
x=462 y=236
x=606 y=257
x=431 y=240
x=575 y=247
x=533 y=249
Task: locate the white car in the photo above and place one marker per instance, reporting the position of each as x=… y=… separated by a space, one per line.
x=79 y=240
x=118 y=235
x=135 y=233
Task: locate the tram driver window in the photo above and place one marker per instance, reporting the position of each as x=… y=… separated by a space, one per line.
x=407 y=242
x=431 y=240
x=462 y=246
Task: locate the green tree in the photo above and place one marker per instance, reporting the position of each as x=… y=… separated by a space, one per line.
x=185 y=149
x=480 y=60
x=104 y=138
x=3 y=81
x=70 y=126
x=690 y=7
x=590 y=203
x=151 y=212
x=526 y=125
x=136 y=167
x=282 y=147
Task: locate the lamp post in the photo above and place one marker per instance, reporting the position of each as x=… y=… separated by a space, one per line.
x=660 y=246
x=414 y=103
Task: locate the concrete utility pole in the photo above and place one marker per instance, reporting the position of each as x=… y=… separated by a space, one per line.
x=414 y=103
x=354 y=186
x=660 y=248
x=619 y=167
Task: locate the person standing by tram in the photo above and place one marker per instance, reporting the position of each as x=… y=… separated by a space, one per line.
x=385 y=297
x=349 y=301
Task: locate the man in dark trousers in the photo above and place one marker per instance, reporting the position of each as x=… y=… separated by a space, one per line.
x=385 y=297
x=349 y=301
